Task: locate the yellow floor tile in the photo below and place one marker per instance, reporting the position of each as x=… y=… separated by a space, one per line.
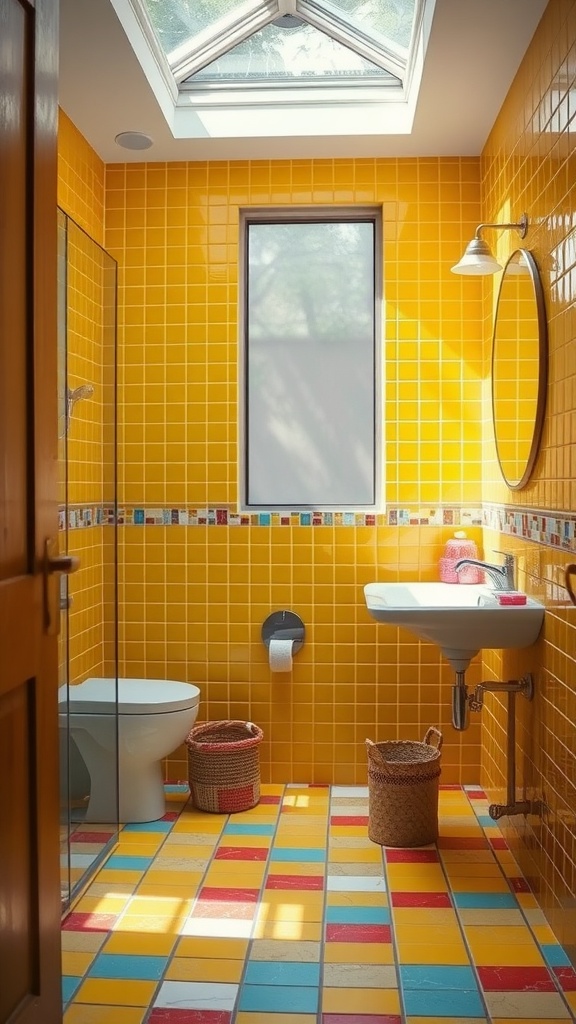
x=494 y=954
x=223 y=873
x=187 y=968
x=348 y=830
x=360 y=1000
x=428 y=953
x=450 y=857
x=272 y=788
x=162 y=876
x=159 y=925
x=296 y=898
x=417 y=883
x=161 y=890
x=140 y=944
x=430 y=917
x=150 y=840
x=197 y=825
x=146 y=906
x=115 y=875
x=116 y=993
x=474 y=869
x=571 y=1000
x=371 y=855
x=76 y=963
x=101 y=904
x=529 y=1020
x=104 y=1014
x=467 y=883
x=412 y=934
x=512 y=935
x=292 y=930
x=349 y=953
x=527 y=901
x=294 y=912
x=460 y=831
x=208 y=947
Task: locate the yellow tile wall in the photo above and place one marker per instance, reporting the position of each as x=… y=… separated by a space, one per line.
x=193 y=599
x=529 y=165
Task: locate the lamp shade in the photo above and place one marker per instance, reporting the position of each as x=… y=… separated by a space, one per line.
x=477 y=260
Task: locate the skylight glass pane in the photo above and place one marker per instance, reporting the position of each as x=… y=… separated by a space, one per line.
x=389 y=20
x=177 y=21
x=290 y=54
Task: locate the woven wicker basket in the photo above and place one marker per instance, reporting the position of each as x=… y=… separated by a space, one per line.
x=224 y=766
x=403 y=778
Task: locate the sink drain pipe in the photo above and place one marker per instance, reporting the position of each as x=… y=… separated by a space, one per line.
x=463 y=703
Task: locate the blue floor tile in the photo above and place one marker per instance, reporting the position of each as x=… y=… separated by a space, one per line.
x=124 y=965
x=357 y=915
x=431 y=976
x=447 y=1003
x=280 y=972
x=554 y=955
x=289 y=854
x=69 y=986
x=277 y=999
x=486 y=821
x=232 y=829
x=485 y=900
x=121 y=863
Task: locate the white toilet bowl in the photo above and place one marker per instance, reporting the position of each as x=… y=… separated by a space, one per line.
x=151 y=718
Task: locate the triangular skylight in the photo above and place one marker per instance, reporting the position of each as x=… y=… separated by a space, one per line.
x=333 y=61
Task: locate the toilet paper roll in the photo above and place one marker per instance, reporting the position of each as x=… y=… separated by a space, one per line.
x=280 y=655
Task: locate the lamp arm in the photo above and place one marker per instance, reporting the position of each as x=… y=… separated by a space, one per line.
x=521 y=227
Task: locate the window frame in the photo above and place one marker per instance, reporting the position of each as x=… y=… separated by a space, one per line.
x=312 y=214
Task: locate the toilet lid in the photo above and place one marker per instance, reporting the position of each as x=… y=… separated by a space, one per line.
x=135 y=696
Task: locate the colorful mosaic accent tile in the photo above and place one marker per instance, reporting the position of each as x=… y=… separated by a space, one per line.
x=550 y=529
x=289 y=914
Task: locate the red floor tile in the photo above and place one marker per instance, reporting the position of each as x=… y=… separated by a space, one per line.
x=402 y=856
x=89 y=922
x=349 y=819
x=270 y=799
x=516 y=979
x=358 y=933
x=498 y=843
x=242 y=853
x=519 y=885
x=295 y=882
x=420 y=899
x=566 y=978
x=162 y=1015
x=209 y=892
x=476 y=794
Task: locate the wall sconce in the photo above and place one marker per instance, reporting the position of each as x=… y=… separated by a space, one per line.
x=478 y=258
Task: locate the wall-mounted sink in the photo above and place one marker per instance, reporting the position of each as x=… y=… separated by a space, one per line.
x=460 y=619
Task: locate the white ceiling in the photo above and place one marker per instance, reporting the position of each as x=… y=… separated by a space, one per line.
x=474 y=51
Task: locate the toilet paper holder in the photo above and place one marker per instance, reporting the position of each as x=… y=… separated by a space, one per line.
x=284 y=625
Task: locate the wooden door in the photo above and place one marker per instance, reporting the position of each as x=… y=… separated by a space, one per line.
x=29 y=875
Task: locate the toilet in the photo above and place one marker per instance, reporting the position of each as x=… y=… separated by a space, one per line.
x=152 y=718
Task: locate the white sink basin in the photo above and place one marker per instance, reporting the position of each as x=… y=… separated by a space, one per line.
x=460 y=618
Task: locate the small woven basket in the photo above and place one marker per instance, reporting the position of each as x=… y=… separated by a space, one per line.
x=224 y=766
x=403 y=779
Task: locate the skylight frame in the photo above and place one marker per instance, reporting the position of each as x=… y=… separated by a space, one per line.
x=311 y=108
x=254 y=15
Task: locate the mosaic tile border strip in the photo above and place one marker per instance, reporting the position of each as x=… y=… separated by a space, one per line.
x=548 y=528
x=394 y=516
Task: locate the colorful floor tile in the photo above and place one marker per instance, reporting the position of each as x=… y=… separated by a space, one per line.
x=289 y=914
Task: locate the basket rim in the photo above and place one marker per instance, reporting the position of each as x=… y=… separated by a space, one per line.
x=199 y=737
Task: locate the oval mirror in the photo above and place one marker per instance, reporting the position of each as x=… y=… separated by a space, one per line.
x=519 y=368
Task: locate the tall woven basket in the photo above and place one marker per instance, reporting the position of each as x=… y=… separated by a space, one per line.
x=403 y=779
x=224 y=766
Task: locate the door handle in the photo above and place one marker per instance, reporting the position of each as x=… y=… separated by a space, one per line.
x=54 y=564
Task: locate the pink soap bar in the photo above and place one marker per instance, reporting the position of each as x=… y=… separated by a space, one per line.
x=511 y=598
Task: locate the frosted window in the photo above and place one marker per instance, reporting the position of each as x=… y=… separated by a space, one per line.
x=310 y=363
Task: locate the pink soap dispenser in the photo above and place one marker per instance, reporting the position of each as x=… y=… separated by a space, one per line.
x=456 y=548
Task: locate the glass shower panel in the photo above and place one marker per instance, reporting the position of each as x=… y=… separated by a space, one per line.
x=88 y=530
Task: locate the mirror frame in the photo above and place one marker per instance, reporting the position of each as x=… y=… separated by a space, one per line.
x=542 y=369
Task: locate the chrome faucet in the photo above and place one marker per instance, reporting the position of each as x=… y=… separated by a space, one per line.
x=502 y=576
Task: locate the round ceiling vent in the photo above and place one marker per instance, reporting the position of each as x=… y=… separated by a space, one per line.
x=134 y=140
